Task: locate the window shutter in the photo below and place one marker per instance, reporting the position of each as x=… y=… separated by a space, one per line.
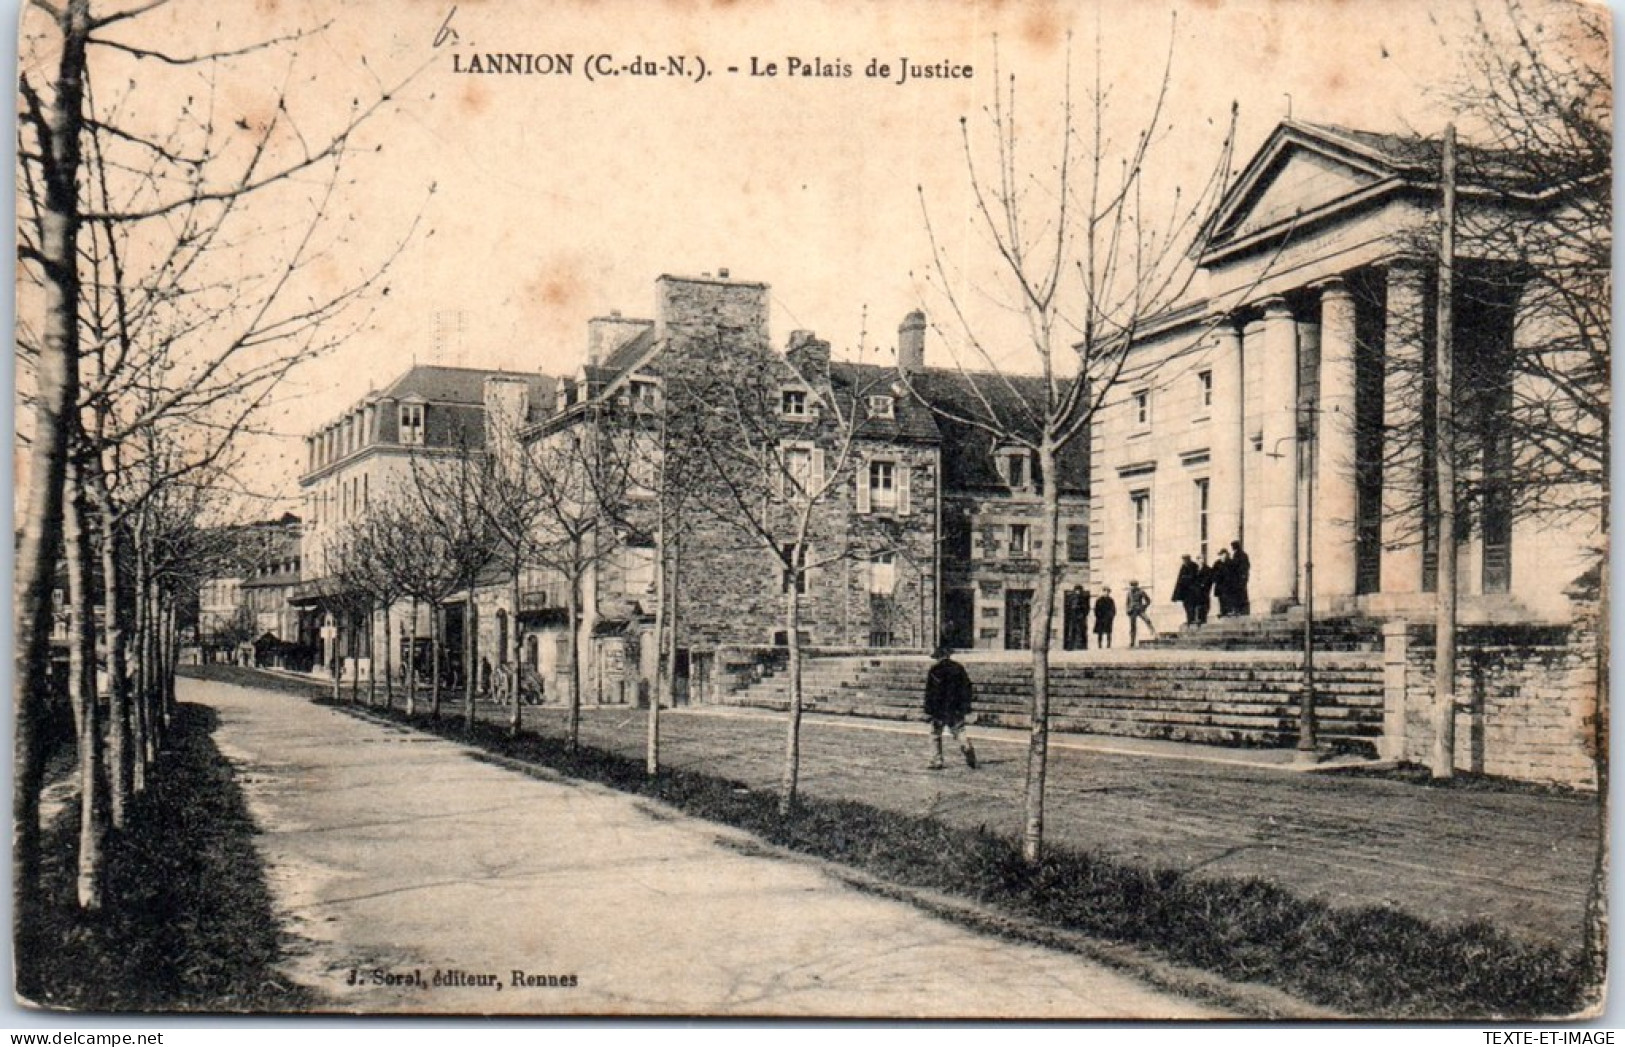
x=815 y=472
x=902 y=487
x=863 y=485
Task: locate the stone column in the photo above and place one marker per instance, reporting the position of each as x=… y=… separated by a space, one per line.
x=1252 y=509
x=1273 y=543
x=1226 y=495
x=1336 y=495
x=1404 y=343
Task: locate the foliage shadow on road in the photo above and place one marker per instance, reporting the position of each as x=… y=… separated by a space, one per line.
x=188 y=923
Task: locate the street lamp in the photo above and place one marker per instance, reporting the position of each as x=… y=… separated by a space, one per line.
x=1305 y=435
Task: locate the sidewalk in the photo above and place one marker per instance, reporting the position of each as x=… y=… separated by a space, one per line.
x=419 y=880
x=1519 y=860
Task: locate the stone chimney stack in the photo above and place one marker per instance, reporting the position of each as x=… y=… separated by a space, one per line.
x=809 y=356
x=507 y=409
x=911 y=342
x=605 y=334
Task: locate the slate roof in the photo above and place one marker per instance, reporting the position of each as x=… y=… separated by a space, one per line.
x=911 y=420
x=466 y=385
x=962 y=399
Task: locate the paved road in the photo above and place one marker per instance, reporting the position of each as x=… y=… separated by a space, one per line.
x=396 y=855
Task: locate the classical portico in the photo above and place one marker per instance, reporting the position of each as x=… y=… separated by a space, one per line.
x=1296 y=397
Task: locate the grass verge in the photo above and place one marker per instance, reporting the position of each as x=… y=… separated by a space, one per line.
x=188 y=923
x=1367 y=962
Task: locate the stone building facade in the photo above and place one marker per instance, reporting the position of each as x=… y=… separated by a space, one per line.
x=428 y=416
x=1288 y=406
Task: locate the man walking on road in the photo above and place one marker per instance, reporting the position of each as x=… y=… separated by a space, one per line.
x=947 y=703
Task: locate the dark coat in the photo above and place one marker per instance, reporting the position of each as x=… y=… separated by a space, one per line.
x=948 y=692
x=1187 y=587
x=1105 y=614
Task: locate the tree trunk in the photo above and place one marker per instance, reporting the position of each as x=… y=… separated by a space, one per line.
x=412 y=663
x=389 y=658
x=137 y=749
x=792 y=741
x=1443 y=761
x=516 y=715
x=372 y=676
x=355 y=660
x=336 y=668
x=115 y=622
x=468 y=662
x=1032 y=837
x=56 y=392
x=436 y=631
x=82 y=693
x=573 y=629
x=651 y=753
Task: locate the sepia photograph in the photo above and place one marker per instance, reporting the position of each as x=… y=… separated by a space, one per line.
x=1092 y=510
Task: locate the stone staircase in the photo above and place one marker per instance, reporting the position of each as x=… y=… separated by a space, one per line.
x=1274 y=632
x=1235 y=698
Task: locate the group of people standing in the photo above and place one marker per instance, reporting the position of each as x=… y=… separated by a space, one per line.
x=1226 y=579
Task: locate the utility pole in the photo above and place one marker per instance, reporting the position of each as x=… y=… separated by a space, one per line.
x=1444 y=661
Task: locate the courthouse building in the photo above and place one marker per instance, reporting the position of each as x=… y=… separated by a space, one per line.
x=1287 y=405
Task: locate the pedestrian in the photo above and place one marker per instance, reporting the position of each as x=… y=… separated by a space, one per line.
x=1075 y=620
x=1187 y=588
x=1204 y=591
x=1222 y=583
x=1138 y=603
x=948 y=693
x=1105 y=616
x=485 y=674
x=1241 y=568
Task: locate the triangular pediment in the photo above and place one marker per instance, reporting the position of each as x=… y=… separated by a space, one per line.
x=1301 y=171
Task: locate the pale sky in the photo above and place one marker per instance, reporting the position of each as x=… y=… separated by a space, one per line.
x=558 y=198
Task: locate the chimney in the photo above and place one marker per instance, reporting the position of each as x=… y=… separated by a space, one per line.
x=809 y=356
x=690 y=306
x=507 y=409
x=911 y=342
x=605 y=334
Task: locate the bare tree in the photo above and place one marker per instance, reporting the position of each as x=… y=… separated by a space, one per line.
x=581 y=469
x=160 y=204
x=725 y=397
x=1088 y=247
x=449 y=504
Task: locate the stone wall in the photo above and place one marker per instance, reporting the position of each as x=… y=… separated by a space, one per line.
x=1526 y=700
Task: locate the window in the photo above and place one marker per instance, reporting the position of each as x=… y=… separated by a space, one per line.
x=797 y=556
x=1015 y=470
x=1204 y=381
x=1200 y=502
x=1142 y=408
x=795 y=403
x=644 y=395
x=1141 y=501
x=411 y=423
x=1021 y=541
x=883 y=573
x=798 y=468
x=882 y=485
x=881 y=407
x=1077 y=543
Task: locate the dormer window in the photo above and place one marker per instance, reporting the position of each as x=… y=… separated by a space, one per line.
x=882 y=407
x=1015 y=470
x=795 y=403
x=412 y=424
